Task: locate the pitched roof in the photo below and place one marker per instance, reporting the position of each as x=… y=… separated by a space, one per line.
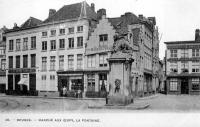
x=31 y=22
x=121 y=23
x=72 y=11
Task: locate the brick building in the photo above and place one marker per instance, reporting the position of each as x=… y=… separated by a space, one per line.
x=182 y=66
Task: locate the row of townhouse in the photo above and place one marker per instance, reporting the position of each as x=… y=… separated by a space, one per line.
x=183 y=66
x=2 y=59
x=70 y=50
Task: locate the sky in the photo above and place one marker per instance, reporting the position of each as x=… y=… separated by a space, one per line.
x=176 y=19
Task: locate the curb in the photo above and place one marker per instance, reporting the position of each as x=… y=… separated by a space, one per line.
x=132 y=107
x=148 y=97
x=70 y=98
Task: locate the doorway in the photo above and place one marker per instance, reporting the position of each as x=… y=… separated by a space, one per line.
x=184 y=86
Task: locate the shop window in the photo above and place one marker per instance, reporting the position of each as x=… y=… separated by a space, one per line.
x=195 y=84
x=91 y=82
x=77 y=84
x=173 y=84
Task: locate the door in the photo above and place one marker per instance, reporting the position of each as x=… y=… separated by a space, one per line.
x=32 y=82
x=184 y=86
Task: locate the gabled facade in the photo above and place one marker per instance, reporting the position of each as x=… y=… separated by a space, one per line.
x=183 y=66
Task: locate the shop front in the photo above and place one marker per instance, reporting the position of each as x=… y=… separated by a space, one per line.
x=21 y=82
x=70 y=83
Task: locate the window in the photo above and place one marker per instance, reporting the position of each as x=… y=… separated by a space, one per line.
x=44 y=63
x=195 y=84
x=25 y=61
x=80 y=29
x=18 y=45
x=61 y=43
x=17 y=61
x=44 y=77
x=25 y=43
x=91 y=61
x=173 y=53
x=103 y=39
x=91 y=82
x=52 y=63
x=62 y=31
x=3 y=64
x=61 y=62
x=103 y=60
x=195 y=52
x=10 y=61
x=195 y=66
x=53 y=44
x=103 y=81
x=10 y=45
x=33 y=60
x=33 y=42
x=44 y=34
x=184 y=66
x=184 y=53
x=80 y=42
x=44 y=45
x=79 y=61
x=53 y=32
x=173 y=66
x=52 y=77
x=2 y=51
x=173 y=84
x=71 y=42
x=71 y=30
x=70 y=61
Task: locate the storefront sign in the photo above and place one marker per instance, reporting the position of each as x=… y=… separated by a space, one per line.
x=21 y=70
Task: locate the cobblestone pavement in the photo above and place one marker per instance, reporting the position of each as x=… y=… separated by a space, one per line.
x=158 y=103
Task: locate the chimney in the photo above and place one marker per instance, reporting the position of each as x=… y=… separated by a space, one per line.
x=197 y=31
x=152 y=19
x=93 y=7
x=15 y=26
x=51 y=12
x=100 y=13
x=140 y=16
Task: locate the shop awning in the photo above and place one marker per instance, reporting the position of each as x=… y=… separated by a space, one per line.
x=23 y=81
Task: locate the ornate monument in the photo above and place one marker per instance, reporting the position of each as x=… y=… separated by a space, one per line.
x=120 y=72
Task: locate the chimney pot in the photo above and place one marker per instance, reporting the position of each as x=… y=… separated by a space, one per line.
x=197 y=31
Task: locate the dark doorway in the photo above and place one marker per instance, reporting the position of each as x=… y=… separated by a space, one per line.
x=32 y=82
x=17 y=79
x=184 y=86
x=10 y=82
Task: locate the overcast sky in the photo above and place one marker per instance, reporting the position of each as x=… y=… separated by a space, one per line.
x=176 y=19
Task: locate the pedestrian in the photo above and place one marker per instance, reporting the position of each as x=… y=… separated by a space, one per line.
x=64 y=91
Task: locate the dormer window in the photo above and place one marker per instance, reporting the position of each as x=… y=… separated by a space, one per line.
x=44 y=34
